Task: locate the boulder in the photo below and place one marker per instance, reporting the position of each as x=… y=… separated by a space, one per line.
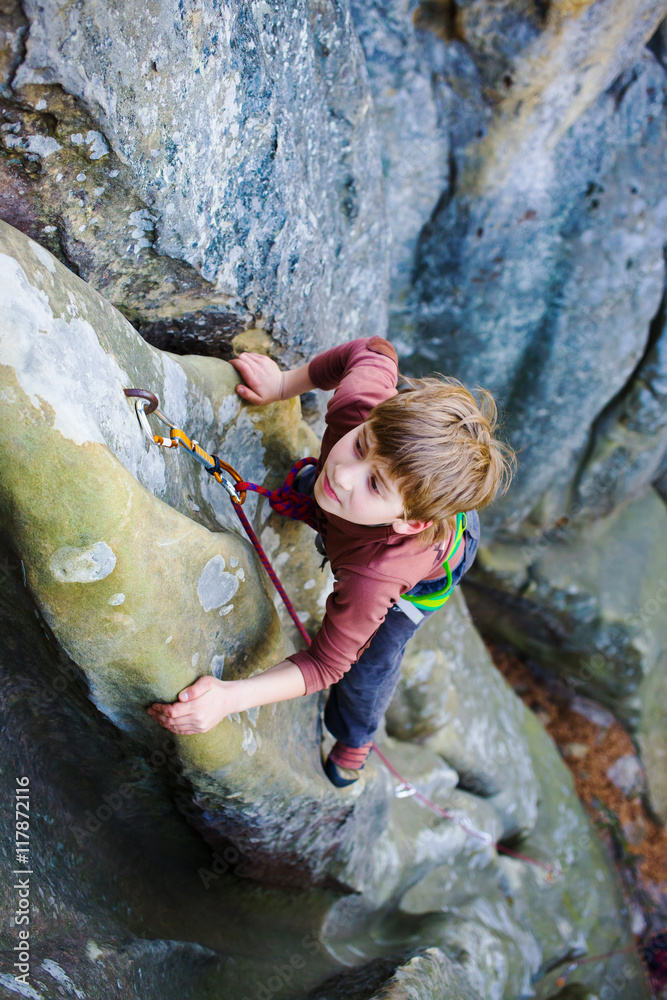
x=126 y=578
x=588 y=602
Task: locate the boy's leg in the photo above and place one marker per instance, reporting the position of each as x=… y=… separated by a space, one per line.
x=359 y=700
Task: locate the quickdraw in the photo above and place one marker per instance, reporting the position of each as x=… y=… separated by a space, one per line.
x=146 y=403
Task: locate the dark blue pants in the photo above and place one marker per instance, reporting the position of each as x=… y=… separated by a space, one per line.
x=358 y=701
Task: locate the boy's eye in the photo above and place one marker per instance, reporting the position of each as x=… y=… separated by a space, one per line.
x=374 y=485
x=357 y=445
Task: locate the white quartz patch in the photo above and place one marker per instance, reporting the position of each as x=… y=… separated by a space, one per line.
x=17 y=988
x=85 y=565
x=215 y=586
x=59 y=361
x=61 y=977
x=117 y=599
x=217 y=665
x=42 y=145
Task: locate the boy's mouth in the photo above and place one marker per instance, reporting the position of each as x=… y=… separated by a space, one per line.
x=326 y=486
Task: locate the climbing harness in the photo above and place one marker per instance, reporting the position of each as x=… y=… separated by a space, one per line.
x=290 y=503
x=431 y=602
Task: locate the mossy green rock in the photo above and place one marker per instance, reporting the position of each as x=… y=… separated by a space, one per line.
x=125 y=577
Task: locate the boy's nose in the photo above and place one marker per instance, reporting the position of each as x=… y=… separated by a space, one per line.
x=343 y=476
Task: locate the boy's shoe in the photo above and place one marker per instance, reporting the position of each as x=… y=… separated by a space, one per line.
x=344 y=764
x=339 y=776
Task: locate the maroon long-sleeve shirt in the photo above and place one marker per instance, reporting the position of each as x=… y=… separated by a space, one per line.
x=372 y=565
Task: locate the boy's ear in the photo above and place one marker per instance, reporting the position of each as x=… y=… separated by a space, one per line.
x=402 y=527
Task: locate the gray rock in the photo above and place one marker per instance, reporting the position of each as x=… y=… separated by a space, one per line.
x=413 y=130
x=445 y=668
x=629 y=440
x=588 y=602
x=430 y=974
x=627 y=774
x=592 y=711
x=556 y=326
x=538 y=269
x=203 y=165
x=653 y=736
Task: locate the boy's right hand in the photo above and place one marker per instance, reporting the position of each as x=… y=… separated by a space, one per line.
x=199 y=707
x=264 y=381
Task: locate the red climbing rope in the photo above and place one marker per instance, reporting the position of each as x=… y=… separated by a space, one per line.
x=408 y=789
x=286 y=500
x=268 y=567
x=290 y=503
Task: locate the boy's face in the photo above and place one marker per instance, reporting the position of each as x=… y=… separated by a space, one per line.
x=353 y=486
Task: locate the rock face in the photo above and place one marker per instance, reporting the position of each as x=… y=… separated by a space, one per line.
x=438 y=703
x=529 y=223
x=126 y=578
x=589 y=602
x=486 y=182
x=536 y=266
x=203 y=166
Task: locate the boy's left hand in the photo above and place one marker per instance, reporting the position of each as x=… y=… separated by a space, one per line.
x=199 y=708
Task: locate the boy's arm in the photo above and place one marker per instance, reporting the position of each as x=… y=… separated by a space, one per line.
x=266 y=383
x=202 y=705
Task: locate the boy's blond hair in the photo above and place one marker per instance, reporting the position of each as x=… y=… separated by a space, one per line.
x=436 y=443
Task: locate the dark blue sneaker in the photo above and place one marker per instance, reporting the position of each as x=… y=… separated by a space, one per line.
x=341 y=777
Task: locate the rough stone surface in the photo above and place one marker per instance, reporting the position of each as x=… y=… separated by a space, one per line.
x=530 y=259
x=627 y=774
x=202 y=165
x=629 y=440
x=484 y=180
x=588 y=601
x=652 y=735
x=438 y=703
x=242 y=815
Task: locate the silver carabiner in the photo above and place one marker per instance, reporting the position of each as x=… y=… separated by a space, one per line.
x=141 y=405
x=404 y=790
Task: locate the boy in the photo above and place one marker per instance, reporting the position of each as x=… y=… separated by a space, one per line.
x=395 y=471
